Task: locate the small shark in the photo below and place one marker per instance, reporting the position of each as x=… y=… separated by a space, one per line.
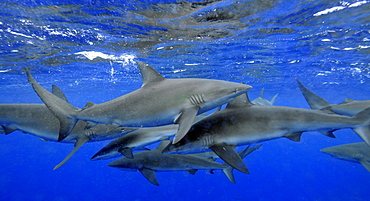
x=151 y=161
x=355 y=152
x=36 y=119
x=137 y=140
x=262 y=101
x=241 y=122
x=158 y=102
x=349 y=107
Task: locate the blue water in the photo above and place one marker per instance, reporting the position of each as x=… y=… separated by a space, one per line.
x=88 y=49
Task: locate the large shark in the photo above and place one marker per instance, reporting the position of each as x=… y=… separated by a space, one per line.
x=349 y=107
x=151 y=161
x=241 y=122
x=158 y=102
x=142 y=137
x=355 y=152
x=36 y=119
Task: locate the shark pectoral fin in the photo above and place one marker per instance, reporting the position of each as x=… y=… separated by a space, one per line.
x=8 y=129
x=328 y=133
x=230 y=156
x=192 y=172
x=78 y=144
x=185 y=121
x=149 y=175
x=363 y=130
x=294 y=136
x=366 y=164
x=127 y=152
x=229 y=173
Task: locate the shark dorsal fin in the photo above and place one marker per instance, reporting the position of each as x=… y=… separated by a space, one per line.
x=149 y=74
x=240 y=101
x=347 y=100
x=162 y=145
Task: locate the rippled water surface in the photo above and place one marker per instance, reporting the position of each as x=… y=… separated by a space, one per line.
x=89 y=48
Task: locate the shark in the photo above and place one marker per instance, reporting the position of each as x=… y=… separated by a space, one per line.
x=348 y=107
x=37 y=120
x=354 y=152
x=138 y=140
x=151 y=161
x=158 y=102
x=262 y=101
x=242 y=122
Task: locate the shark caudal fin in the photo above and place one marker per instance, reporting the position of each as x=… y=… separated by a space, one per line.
x=315 y=101
x=363 y=130
x=59 y=107
x=229 y=170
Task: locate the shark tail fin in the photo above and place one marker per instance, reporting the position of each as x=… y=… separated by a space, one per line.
x=363 y=130
x=315 y=101
x=229 y=170
x=59 y=107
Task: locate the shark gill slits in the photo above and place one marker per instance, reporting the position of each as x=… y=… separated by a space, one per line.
x=196 y=99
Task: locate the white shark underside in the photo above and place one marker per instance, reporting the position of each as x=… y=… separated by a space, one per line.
x=149 y=162
x=244 y=123
x=349 y=107
x=354 y=152
x=158 y=102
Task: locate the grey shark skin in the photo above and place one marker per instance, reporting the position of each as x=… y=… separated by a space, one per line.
x=244 y=123
x=137 y=140
x=37 y=120
x=262 y=101
x=354 y=152
x=158 y=102
x=349 y=107
x=151 y=161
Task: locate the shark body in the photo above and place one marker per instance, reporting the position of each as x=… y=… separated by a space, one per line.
x=158 y=102
x=151 y=161
x=37 y=120
x=354 y=152
x=244 y=123
x=349 y=107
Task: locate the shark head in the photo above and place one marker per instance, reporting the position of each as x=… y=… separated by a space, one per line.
x=220 y=92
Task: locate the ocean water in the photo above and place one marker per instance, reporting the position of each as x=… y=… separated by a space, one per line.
x=88 y=48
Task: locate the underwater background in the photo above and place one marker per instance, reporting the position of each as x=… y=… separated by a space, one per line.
x=89 y=47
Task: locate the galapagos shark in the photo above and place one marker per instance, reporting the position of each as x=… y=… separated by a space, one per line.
x=151 y=161
x=138 y=140
x=241 y=123
x=262 y=101
x=37 y=120
x=349 y=107
x=354 y=152
x=158 y=102
x=142 y=137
